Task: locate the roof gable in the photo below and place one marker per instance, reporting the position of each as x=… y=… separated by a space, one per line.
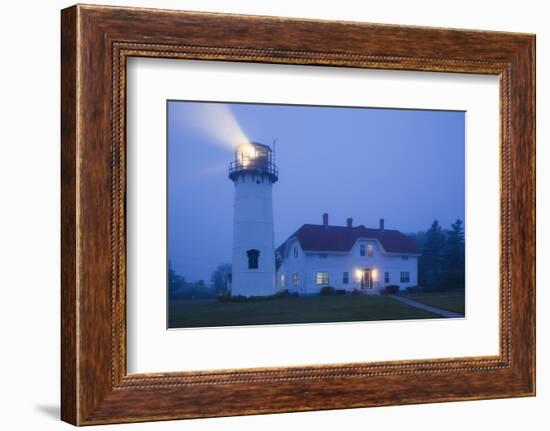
x=341 y=239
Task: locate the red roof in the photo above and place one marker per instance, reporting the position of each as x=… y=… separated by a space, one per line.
x=320 y=238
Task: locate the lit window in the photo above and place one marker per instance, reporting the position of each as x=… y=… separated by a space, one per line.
x=362 y=249
x=295 y=279
x=253 y=256
x=370 y=250
x=345 y=278
x=282 y=281
x=322 y=278
x=405 y=277
x=386 y=277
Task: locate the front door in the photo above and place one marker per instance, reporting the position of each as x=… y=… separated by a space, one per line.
x=366 y=279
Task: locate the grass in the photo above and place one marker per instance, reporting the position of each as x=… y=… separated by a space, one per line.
x=450 y=301
x=303 y=309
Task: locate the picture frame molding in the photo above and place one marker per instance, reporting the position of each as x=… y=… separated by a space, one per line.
x=96 y=41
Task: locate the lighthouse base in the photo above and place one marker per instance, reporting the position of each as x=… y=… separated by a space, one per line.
x=253 y=284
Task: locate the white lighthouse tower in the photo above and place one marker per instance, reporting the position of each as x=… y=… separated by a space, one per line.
x=253 y=172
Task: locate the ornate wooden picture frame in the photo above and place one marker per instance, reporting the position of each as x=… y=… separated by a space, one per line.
x=96 y=41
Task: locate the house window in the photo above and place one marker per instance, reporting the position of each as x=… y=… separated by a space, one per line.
x=253 y=256
x=370 y=250
x=345 y=277
x=283 y=281
x=362 y=250
x=322 y=278
x=295 y=279
x=405 y=277
x=386 y=277
x=295 y=252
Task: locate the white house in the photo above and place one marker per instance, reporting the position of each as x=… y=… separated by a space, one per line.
x=346 y=257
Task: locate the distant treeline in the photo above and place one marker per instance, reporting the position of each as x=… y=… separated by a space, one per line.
x=442 y=263
x=180 y=288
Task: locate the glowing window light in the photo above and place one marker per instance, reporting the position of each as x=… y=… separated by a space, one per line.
x=359 y=274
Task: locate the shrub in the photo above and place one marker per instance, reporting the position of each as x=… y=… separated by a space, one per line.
x=356 y=292
x=392 y=289
x=413 y=289
x=340 y=291
x=239 y=298
x=431 y=289
x=223 y=297
x=283 y=294
x=327 y=290
x=295 y=294
x=191 y=291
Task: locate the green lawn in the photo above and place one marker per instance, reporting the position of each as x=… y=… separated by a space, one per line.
x=303 y=309
x=450 y=301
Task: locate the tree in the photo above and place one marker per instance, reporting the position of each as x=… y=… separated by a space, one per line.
x=419 y=237
x=430 y=262
x=453 y=262
x=175 y=281
x=220 y=277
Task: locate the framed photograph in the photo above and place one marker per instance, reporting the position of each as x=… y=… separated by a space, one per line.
x=283 y=270
x=320 y=214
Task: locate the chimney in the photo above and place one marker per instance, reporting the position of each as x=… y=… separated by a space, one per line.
x=325 y=219
x=349 y=222
x=381 y=224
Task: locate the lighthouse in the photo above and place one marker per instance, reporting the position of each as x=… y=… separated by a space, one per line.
x=253 y=172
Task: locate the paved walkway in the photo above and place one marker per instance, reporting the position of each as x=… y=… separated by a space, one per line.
x=429 y=308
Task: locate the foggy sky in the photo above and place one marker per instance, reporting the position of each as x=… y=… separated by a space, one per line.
x=406 y=166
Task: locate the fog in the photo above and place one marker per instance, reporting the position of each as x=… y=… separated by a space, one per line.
x=406 y=166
